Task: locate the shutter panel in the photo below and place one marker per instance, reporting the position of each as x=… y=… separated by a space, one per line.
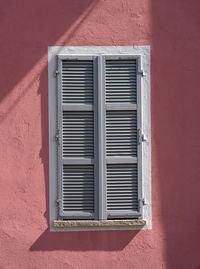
x=76 y=87
x=121 y=80
x=122 y=187
x=121 y=133
x=78 y=134
x=77 y=81
x=78 y=188
x=122 y=86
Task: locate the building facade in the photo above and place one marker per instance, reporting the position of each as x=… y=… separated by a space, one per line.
x=171 y=29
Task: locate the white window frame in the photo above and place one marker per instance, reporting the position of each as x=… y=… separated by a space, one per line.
x=144 y=53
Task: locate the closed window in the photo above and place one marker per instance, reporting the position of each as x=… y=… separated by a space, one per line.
x=99 y=130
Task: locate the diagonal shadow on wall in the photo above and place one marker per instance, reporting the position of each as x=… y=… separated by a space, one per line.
x=50 y=241
x=27 y=30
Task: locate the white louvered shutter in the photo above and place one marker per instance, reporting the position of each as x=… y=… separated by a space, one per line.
x=99 y=150
x=76 y=88
x=122 y=87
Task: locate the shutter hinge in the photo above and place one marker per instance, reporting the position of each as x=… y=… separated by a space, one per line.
x=56 y=73
x=57 y=136
x=142 y=202
x=141 y=72
x=58 y=201
x=141 y=137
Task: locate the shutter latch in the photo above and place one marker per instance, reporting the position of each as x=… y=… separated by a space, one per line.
x=57 y=136
x=141 y=137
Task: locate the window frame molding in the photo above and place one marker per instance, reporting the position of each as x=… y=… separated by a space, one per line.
x=144 y=53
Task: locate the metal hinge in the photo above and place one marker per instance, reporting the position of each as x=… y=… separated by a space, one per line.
x=141 y=137
x=58 y=201
x=141 y=72
x=56 y=73
x=57 y=136
x=142 y=202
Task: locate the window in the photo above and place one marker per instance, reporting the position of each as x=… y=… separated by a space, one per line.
x=99 y=137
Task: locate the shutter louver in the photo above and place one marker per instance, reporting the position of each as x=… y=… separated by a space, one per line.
x=121 y=133
x=121 y=81
x=121 y=137
x=77 y=81
x=77 y=147
x=122 y=190
x=78 y=134
x=78 y=188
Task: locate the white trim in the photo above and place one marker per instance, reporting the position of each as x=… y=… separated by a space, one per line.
x=144 y=52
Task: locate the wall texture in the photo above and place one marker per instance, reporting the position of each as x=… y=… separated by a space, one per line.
x=171 y=28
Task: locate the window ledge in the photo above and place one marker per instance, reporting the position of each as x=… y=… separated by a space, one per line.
x=99 y=223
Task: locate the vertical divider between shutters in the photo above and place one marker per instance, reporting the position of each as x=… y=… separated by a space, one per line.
x=139 y=127
x=59 y=133
x=101 y=156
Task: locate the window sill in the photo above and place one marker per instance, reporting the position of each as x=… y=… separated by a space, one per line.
x=82 y=224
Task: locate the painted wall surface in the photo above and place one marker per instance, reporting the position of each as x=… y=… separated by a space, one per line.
x=171 y=28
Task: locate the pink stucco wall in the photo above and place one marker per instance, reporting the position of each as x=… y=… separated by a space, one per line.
x=27 y=28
